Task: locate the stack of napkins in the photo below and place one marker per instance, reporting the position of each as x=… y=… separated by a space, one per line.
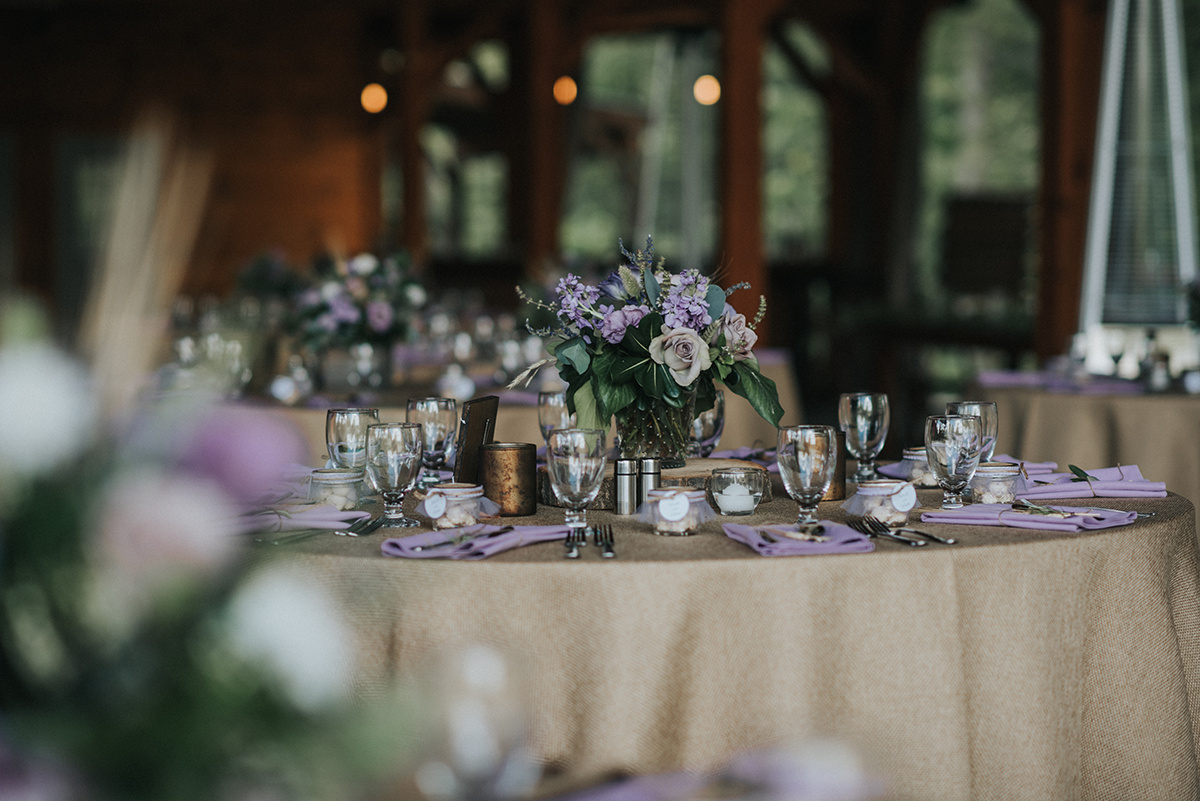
x=1065 y=518
x=764 y=457
x=773 y=540
x=1107 y=482
x=1032 y=468
x=469 y=542
x=299 y=517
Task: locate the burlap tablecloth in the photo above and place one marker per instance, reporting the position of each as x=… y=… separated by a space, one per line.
x=1015 y=665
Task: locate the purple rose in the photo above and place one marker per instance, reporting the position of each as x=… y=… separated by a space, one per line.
x=683 y=352
x=739 y=338
x=616 y=321
x=380 y=315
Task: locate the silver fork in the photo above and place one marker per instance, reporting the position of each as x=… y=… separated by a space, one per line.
x=575 y=538
x=861 y=525
x=604 y=541
x=877 y=523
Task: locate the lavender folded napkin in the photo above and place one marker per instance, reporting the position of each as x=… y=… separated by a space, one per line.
x=1107 y=482
x=1032 y=468
x=299 y=517
x=842 y=539
x=1002 y=514
x=892 y=470
x=469 y=542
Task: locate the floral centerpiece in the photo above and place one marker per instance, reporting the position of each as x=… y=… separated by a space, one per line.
x=646 y=347
x=362 y=299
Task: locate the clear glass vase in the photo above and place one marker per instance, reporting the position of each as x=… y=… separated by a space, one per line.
x=651 y=428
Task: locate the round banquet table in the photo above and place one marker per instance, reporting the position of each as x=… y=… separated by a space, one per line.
x=1017 y=664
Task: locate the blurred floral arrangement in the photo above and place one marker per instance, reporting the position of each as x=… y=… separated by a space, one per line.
x=145 y=654
x=365 y=299
x=644 y=339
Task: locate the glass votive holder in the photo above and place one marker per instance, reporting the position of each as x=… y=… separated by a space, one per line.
x=456 y=505
x=888 y=500
x=736 y=490
x=914 y=468
x=339 y=487
x=676 y=511
x=997 y=482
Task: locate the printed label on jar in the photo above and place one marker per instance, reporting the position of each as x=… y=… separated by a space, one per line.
x=674 y=508
x=905 y=499
x=435 y=505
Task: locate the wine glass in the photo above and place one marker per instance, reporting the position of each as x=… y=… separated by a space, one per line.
x=346 y=435
x=707 y=428
x=438 y=418
x=953 y=444
x=807 y=457
x=393 y=463
x=864 y=416
x=576 y=459
x=989 y=422
x=553 y=413
x=477 y=703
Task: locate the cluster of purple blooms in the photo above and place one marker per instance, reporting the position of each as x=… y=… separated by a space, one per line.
x=683 y=304
x=363 y=300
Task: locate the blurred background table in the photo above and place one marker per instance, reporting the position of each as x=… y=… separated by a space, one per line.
x=1160 y=433
x=1018 y=664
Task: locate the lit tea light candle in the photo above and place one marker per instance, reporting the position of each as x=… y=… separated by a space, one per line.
x=736 y=498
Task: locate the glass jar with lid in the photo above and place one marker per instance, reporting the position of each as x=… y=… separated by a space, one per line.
x=676 y=511
x=914 y=468
x=888 y=500
x=997 y=482
x=341 y=488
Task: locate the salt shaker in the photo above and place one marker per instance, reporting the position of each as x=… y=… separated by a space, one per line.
x=626 y=486
x=649 y=477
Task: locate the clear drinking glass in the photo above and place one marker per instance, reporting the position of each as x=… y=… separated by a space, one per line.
x=438 y=418
x=707 y=428
x=576 y=459
x=346 y=435
x=807 y=458
x=989 y=420
x=553 y=413
x=953 y=444
x=864 y=416
x=393 y=463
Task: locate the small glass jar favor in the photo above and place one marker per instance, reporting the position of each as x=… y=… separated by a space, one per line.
x=676 y=511
x=338 y=487
x=736 y=490
x=997 y=482
x=457 y=505
x=914 y=468
x=886 y=500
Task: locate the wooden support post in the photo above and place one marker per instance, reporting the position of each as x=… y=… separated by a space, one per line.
x=1072 y=50
x=741 y=253
x=414 y=104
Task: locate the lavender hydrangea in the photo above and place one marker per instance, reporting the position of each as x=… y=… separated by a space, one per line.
x=685 y=304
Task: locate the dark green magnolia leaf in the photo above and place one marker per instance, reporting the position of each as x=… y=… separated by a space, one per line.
x=614 y=397
x=706 y=394
x=654 y=379
x=586 y=412
x=624 y=369
x=759 y=390
x=602 y=364
x=637 y=339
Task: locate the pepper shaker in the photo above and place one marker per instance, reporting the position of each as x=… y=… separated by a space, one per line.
x=626 y=489
x=649 y=477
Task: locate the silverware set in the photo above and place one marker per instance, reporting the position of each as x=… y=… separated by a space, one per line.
x=359 y=528
x=602 y=536
x=874 y=527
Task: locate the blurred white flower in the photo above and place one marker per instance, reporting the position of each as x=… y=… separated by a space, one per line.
x=363 y=264
x=49 y=410
x=280 y=620
x=161 y=534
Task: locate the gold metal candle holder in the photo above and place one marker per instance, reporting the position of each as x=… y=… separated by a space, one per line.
x=508 y=472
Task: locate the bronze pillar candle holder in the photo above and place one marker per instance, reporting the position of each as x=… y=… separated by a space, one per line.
x=508 y=473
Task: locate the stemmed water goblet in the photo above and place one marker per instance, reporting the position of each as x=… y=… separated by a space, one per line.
x=865 y=417
x=576 y=459
x=989 y=422
x=807 y=457
x=953 y=444
x=346 y=435
x=393 y=463
x=553 y=412
x=438 y=419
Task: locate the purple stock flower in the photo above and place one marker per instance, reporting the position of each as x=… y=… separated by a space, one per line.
x=575 y=298
x=325 y=322
x=617 y=321
x=685 y=305
x=343 y=309
x=380 y=315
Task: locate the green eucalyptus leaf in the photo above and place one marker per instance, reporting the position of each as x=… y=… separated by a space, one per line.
x=759 y=390
x=652 y=288
x=716 y=301
x=574 y=352
x=1080 y=474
